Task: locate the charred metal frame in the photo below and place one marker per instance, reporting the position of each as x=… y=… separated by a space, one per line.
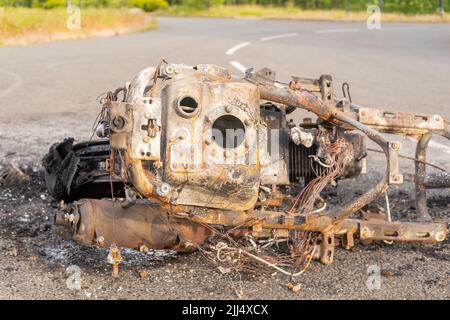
x=180 y=225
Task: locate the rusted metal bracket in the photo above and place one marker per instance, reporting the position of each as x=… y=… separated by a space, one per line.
x=395 y=177
x=407 y=123
x=326 y=88
x=263 y=76
x=327 y=248
x=402 y=231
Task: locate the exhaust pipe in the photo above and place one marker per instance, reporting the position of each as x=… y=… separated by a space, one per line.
x=107 y=222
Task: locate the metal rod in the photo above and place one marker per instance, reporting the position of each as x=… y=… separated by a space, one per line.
x=329 y=112
x=436 y=180
x=381 y=187
x=388 y=208
x=411 y=158
x=421 y=193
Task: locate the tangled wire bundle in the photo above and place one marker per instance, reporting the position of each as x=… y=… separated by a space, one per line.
x=252 y=257
x=303 y=243
x=266 y=256
x=304 y=202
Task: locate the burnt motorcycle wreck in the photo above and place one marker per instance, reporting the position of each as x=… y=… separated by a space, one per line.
x=188 y=153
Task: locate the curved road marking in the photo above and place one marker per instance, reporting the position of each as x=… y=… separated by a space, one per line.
x=280 y=36
x=239 y=46
x=238 y=66
x=16 y=83
x=233 y=50
x=242 y=68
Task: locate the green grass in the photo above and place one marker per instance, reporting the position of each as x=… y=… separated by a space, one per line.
x=295 y=13
x=24 y=25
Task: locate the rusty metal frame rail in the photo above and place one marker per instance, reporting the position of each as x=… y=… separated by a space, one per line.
x=435 y=180
x=421 y=193
x=158 y=223
x=372 y=123
x=328 y=112
x=424 y=232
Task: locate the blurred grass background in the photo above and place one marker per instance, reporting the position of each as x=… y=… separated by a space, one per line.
x=16 y=21
x=296 y=13
x=21 y=19
x=22 y=25
x=342 y=10
x=412 y=7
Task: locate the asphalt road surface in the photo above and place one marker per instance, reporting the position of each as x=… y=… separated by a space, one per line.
x=49 y=91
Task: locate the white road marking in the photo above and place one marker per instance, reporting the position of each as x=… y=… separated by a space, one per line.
x=16 y=83
x=335 y=31
x=238 y=66
x=233 y=50
x=280 y=36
